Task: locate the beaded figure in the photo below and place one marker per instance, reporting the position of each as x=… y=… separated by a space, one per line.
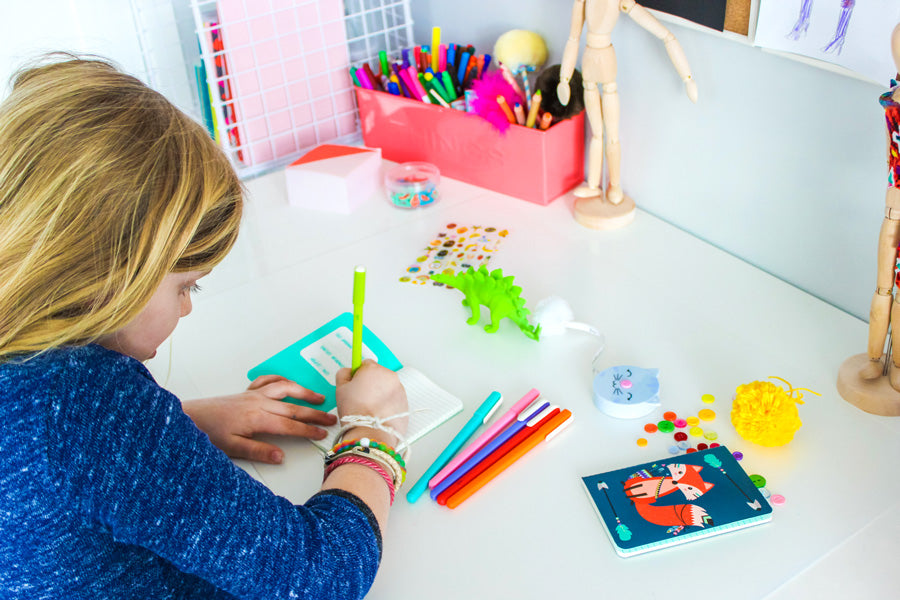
x=885 y=305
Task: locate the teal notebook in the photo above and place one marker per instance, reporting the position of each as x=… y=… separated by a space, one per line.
x=314 y=361
x=675 y=501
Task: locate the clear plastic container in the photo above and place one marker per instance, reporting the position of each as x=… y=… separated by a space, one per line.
x=412 y=184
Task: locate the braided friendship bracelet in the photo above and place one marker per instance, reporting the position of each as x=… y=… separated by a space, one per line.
x=366 y=462
x=376 y=455
x=349 y=422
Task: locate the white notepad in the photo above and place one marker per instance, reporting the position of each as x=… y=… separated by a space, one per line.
x=314 y=360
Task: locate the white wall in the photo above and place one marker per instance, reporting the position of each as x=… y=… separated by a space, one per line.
x=780 y=163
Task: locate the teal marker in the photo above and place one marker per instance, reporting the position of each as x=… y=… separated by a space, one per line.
x=359 y=296
x=481 y=416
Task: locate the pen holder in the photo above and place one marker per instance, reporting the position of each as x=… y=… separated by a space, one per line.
x=412 y=184
x=529 y=164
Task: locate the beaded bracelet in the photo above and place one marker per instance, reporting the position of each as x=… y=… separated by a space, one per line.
x=376 y=455
x=346 y=445
x=366 y=462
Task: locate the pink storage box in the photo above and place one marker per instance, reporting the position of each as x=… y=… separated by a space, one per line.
x=530 y=164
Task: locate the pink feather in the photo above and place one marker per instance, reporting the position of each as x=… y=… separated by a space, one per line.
x=485 y=104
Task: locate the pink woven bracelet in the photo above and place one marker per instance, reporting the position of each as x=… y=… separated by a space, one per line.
x=366 y=463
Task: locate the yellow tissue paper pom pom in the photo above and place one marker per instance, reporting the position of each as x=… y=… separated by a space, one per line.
x=766 y=414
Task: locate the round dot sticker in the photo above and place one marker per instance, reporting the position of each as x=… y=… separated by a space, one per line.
x=692 y=421
x=680 y=423
x=665 y=426
x=696 y=431
x=707 y=414
x=738 y=455
x=680 y=436
x=669 y=415
x=642 y=442
x=650 y=427
x=758 y=480
x=708 y=398
x=711 y=435
x=777 y=499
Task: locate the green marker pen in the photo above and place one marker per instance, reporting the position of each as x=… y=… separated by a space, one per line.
x=359 y=296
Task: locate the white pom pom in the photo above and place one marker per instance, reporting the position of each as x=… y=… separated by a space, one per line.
x=553 y=314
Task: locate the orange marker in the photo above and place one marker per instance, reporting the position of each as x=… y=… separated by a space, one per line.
x=510 y=115
x=553 y=427
x=546 y=119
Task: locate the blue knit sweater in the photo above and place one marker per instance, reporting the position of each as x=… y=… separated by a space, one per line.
x=108 y=490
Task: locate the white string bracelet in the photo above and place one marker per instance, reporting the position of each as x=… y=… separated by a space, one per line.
x=349 y=422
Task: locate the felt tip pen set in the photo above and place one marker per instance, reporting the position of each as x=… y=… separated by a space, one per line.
x=459 y=472
x=457 y=76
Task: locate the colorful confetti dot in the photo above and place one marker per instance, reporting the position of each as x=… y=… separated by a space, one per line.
x=707 y=414
x=684 y=445
x=650 y=427
x=674 y=450
x=680 y=423
x=642 y=442
x=680 y=436
x=696 y=431
x=666 y=426
x=714 y=445
x=708 y=398
x=689 y=450
x=758 y=480
x=711 y=435
x=738 y=455
x=702 y=446
x=777 y=500
x=669 y=415
x=693 y=421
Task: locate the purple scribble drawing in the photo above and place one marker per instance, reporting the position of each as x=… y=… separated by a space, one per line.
x=835 y=45
x=840 y=33
x=802 y=23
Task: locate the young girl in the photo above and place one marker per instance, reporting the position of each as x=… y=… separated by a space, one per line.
x=112 y=205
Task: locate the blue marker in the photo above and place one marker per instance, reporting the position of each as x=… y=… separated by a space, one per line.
x=463 y=63
x=481 y=416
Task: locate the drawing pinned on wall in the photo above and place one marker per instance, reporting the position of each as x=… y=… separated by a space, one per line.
x=842 y=32
x=837 y=42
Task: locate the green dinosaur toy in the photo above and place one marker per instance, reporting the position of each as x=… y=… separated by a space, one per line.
x=494 y=291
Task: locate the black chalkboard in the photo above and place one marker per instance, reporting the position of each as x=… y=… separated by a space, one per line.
x=709 y=13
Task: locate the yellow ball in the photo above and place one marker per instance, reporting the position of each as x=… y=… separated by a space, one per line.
x=765 y=414
x=520 y=48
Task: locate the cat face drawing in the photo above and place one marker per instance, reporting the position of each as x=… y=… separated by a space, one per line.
x=626 y=392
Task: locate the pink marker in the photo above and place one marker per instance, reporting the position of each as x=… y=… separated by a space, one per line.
x=420 y=91
x=501 y=424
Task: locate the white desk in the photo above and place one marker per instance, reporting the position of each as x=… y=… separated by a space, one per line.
x=664 y=299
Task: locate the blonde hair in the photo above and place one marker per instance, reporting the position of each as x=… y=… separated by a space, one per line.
x=105 y=187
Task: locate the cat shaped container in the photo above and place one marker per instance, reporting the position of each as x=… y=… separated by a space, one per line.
x=626 y=392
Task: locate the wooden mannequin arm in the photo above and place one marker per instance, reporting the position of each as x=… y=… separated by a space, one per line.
x=642 y=17
x=570 y=53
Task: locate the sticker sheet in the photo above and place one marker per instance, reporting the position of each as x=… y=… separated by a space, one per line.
x=454 y=249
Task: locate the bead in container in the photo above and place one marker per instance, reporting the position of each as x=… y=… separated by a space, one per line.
x=412 y=184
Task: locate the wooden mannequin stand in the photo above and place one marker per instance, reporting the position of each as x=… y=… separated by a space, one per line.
x=871 y=381
x=593 y=208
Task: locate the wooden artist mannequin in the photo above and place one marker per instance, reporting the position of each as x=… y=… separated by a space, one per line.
x=598 y=68
x=871 y=381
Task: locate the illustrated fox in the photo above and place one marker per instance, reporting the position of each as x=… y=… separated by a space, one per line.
x=644 y=490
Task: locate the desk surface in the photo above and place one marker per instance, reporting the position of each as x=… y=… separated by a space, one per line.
x=663 y=298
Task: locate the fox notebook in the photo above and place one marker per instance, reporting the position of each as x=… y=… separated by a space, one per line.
x=314 y=361
x=676 y=500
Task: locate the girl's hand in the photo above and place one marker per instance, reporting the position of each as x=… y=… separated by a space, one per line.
x=232 y=421
x=372 y=391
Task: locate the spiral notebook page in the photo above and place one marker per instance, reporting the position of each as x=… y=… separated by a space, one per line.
x=429 y=405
